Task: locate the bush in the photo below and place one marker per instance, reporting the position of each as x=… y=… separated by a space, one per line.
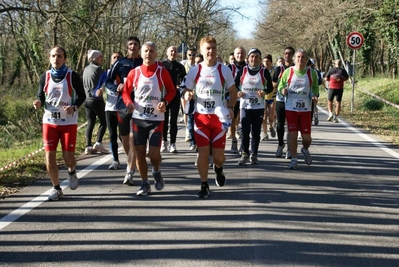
x=371 y=104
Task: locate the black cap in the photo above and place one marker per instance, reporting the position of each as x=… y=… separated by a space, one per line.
x=254 y=50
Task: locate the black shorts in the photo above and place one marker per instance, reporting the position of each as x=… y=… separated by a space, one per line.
x=335 y=92
x=144 y=130
x=124 y=123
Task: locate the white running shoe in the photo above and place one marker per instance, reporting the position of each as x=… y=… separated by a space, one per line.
x=293 y=164
x=279 y=151
x=73 y=181
x=288 y=155
x=172 y=148
x=115 y=165
x=308 y=158
x=100 y=148
x=128 y=178
x=164 y=146
x=56 y=195
x=89 y=150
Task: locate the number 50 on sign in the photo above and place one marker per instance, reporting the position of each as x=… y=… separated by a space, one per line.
x=355 y=40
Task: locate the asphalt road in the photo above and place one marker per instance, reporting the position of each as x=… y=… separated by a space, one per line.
x=343 y=210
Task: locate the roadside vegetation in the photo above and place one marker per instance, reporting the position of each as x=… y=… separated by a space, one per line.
x=22 y=135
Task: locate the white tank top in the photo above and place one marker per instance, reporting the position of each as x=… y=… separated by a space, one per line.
x=210 y=89
x=299 y=95
x=148 y=92
x=58 y=95
x=250 y=85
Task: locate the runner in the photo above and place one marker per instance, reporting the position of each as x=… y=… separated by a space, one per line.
x=280 y=104
x=152 y=88
x=270 y=102
x=336 y=77
x=61 y=93
x=209 y=81
x=254 y=82
x=299 y=86
x=114 y=84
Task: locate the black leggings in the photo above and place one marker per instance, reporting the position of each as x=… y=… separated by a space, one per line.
x=112 y=125
x=95 y=108
x=173 y=107
x=280 y=112
x=251 y=121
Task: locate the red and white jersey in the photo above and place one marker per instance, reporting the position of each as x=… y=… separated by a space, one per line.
x=148 y=92
x=250 y=85
x=210 y=85
x=299 y=95
x=58 y=95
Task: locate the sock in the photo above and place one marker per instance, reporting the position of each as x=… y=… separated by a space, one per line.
x=330 y=113
x=305 y=150
x=98 y=143
x=204 y=183
x=57 y=187
x=72 y=172
x=153 y=170
x=218 y=169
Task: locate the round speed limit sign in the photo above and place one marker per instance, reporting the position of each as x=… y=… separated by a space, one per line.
x=355 y=40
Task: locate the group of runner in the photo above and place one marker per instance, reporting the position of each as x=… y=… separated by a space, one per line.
x=140 y=91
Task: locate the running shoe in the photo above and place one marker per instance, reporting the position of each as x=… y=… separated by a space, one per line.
x=172 y=148
x=115 y=165
x=100 y=148
x=145 y=189
x=254 y=158
x=244 y=159
x=279 y=151
x=308 y=158
x=316 y=119
x=56 y=195
x=234 y=148
x=73 y=181
x=210 y=161
x=288 y=155
x=220 y=177
x=158 y=180
x=330 y=118
x=89 y=150
x=293 y=164
x=272 y=132
x=204 y=192
x=164 y=146
x=192 y=147
x=128 y=178
x=335 y=120
x=264 y=137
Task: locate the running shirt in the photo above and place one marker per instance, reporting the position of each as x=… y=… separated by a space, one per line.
x=336 y=78
x=58 y=95
x=250 y=85
x=148 y=92
x=210 y=85
x=301 y=88
x=276 y=78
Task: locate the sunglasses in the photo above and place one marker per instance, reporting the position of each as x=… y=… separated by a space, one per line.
x=190 y=55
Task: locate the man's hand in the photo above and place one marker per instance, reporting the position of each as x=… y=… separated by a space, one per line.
x=130 y=108
x=188 y=95
x=240 y=94
x=37 y=104
x=69 y=109
x=261 y=93
x=161 y=106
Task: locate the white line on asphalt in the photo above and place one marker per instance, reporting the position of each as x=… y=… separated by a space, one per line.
x=365 y=136
x=14 y=215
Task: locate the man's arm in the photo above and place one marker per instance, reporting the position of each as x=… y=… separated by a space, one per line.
x=78 y=86
x=112 y=76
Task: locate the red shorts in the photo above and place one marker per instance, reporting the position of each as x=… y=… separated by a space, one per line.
x=298 y=121
x=53 y=133
x=208 y=131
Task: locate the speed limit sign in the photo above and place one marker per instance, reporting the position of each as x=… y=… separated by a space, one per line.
x=355 y=40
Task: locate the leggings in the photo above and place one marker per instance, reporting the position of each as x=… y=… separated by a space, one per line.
x=95 y=108
x=280 y=112
x=112 y=125
x=251 y=121
x=173 y=107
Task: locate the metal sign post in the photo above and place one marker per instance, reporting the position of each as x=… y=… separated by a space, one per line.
x=354 y=41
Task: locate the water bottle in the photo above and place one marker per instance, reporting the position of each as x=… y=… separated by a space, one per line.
x=224 y=116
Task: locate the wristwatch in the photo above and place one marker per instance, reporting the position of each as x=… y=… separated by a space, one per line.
x=166 y=102
x=74 y=108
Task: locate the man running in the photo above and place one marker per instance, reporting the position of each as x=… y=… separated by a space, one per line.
x=336 y=77
x=177 y=72
x=61 y=93
x=299 y=86
x=152 y=89
x=114 y=84
x=254 y=82
x=209 y=81
x=280 y=104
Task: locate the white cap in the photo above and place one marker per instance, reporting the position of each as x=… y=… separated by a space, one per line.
x=93 y=55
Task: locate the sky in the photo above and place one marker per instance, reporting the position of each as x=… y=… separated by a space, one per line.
x=249 y=8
